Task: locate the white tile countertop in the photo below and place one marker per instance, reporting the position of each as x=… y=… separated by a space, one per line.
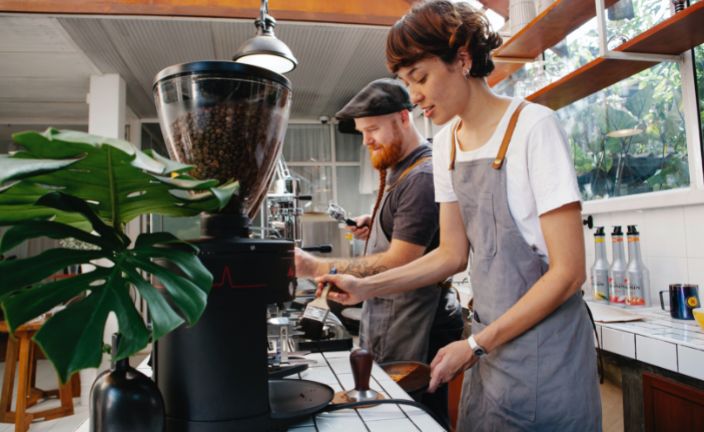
x=333 y=369
x=657 y=339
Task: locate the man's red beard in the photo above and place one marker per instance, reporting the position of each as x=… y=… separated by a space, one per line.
x=389 y=154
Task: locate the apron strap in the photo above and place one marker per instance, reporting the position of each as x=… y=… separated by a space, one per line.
x=453 y=145
x=499 y=161
x=501 y=155
x=407 y=171
x=386 y=189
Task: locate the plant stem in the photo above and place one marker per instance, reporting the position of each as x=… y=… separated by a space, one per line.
x=115 y=214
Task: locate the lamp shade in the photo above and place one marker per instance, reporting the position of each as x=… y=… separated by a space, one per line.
x=266 y=51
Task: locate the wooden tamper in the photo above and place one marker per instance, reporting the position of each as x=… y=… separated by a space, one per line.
x=361 y=363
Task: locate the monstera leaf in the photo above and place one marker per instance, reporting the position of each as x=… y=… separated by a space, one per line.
x=68 y=184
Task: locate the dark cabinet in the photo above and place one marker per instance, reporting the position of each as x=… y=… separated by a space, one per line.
x=671 y=406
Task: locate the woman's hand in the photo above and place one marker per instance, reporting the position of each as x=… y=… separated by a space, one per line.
x=306 y=264
x=450 y=361
x=346 y=289
x=361 y=230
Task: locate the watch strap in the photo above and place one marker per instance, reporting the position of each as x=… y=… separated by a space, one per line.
x=477 y=349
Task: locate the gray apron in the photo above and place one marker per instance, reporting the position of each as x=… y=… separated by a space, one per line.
x=545 y=379
x=397 y=327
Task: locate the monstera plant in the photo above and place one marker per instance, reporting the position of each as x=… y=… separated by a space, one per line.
x=72 y=185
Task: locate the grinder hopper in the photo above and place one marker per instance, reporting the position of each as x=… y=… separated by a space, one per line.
x=228 y=120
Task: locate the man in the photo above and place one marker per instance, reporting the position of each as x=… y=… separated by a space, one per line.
x=403 y=226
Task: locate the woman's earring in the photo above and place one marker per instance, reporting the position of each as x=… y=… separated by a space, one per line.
x=467 y=72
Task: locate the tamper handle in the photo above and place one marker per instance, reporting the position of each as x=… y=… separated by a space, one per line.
x=361 y=362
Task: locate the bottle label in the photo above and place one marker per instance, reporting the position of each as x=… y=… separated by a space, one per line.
x=617 y=287
x=635 y=295
x=600 y=284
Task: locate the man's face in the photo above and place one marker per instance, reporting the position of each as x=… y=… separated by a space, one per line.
x=382 y=136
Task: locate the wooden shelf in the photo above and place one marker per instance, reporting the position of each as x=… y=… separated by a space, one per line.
x=546 y=30
x=673 y=36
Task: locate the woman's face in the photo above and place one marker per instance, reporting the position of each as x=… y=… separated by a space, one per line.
x=437 y=88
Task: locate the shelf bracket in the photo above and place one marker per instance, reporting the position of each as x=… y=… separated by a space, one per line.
x=601 y=27
x=520 y=60
x=648 y=57
x=606 y=53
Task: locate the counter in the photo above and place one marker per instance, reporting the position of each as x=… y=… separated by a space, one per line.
x=658 y=363
x=658 y=340
x=333 y=369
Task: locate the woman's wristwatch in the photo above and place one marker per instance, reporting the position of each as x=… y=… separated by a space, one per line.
x=477 y=349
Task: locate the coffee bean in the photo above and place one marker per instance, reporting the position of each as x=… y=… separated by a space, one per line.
x=232 y=139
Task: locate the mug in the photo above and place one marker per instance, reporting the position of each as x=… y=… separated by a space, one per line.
x=683 y=298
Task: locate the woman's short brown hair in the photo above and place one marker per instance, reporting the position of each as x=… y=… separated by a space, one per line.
x=440 y=28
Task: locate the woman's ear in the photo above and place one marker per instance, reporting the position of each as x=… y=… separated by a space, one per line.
x=464 y=61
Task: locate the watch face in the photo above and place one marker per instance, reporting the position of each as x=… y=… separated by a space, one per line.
x=479 y=352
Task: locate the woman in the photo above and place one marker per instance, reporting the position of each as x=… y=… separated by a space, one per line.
x=508 y=193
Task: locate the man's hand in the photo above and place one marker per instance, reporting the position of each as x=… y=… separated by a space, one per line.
x=346 y=289
x=449 y=361
x=307 y=265
x=361 y=231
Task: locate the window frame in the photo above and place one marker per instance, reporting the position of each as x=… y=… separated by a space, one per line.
x=692 y=195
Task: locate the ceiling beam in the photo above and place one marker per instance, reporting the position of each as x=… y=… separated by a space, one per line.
x=372 y=12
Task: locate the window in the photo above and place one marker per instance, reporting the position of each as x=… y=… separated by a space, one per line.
x=328 y=165
x=699 y=71
x=628 y=138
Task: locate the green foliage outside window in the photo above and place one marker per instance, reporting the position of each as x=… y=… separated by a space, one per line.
x=628 y=138
x=699 y=68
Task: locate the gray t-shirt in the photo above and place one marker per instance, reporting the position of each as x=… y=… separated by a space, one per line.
x=410 y=212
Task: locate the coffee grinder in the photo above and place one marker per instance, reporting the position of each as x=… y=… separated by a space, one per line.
x=228 y=121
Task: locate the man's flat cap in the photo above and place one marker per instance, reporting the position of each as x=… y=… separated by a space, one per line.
x=379 y=97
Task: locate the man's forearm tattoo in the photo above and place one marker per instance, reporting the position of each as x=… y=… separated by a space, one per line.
x=361 y=267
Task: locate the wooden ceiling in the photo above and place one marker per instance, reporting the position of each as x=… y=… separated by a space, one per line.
x=371 y=12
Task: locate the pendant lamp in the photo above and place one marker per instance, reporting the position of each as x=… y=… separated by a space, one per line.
x=264 y=49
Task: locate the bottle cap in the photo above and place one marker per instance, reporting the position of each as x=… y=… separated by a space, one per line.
x=599 y=231
x=632 y=230
x=617 y=230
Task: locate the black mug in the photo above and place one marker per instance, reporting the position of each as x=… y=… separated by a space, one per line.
x=683 y=298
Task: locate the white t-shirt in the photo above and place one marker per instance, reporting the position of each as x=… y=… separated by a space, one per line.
x=540 y=175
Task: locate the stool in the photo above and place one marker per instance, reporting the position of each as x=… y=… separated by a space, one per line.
x=23 y=351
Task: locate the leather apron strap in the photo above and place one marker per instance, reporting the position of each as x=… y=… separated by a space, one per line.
x=501 y=155
x=387 y=189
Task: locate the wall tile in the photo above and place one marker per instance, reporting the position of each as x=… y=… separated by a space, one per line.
x=618 y=342
x=656 y=352
x=663 y=272
x=664 y=235
x=695 y=266
x=694 y=227
x=690 y=362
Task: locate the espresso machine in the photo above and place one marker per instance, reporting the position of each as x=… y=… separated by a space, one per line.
x=227 y=120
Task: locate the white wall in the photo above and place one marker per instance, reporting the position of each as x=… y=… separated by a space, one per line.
x=672 y=242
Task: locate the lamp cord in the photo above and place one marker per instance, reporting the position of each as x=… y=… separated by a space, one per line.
x=336 y=407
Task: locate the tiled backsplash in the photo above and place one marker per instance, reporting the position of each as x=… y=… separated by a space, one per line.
x=672 y=243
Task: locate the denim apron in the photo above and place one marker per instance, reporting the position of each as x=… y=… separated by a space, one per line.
x=397 y=327
x=546 y=378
